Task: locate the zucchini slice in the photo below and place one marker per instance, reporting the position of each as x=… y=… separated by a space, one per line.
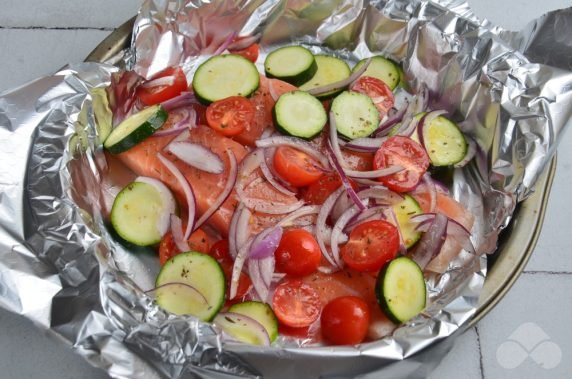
x=444 y=142
x=260 y=312
x=383 y=69
x=102 y=112
x=135 y=129
x=299 y=114
x=330 y=70
x=191 y=283
x=223 y=76
x=404 y=210
x=355 y=114
x=140 y=212
x=293 y=64
x=401 y=290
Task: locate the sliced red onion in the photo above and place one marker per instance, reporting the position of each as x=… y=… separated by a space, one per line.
x=393 y=119
x=250 y=163
x=196 y=293
x=295 y=143
x=421 y=100
x=322 y=228
x=376 y=212
x=337 y=230
x=267 y=266
x=255 y=273
x=187 y=189
x=243 y=42
x=393 y=218
x=375 y=173
x=301 y=212
x=424 y=122
x=328 y=269
x=238 y=225
x=342 y=83
x=177 y=230
x=197 y=156
x=367 y=145
x=162 y=81
x=226 y=43
x=471 y=151
x=454 y=229
x=345 y=181
x=228 y=186
x=241 y=257
x=343 y=203
x=187 y=121
x=381 y=193
x=266 y=243
x=431 y=189
x=184 y=99
x=169 y=205
x=334 y=141
x=272 y=90
x=268 y=175
x=460 y=234
x=236 y=324
x=431 y=242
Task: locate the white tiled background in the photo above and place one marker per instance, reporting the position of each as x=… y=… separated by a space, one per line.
x=38 y=37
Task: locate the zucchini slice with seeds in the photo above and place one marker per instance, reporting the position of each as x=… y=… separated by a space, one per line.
x=383 y=69
x=135 y=129
x=224 y=76
x=330 y=70
x=293 y=64
x=299 y=114
x=355 y=114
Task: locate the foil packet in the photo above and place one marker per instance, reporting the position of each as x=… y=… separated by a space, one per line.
x=61 y=267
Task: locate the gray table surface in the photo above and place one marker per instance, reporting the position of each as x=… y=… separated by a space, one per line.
x=38 y=37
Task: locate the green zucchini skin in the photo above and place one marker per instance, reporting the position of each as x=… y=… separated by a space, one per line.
x=224 y=76
x=396 y=308
x=293 y=64
x=330 y=70
x=260 y=312
x=404 y=210
x=135 y=129
x=299 y=114
x=355 y=115
x=383 y=69
x=198 y=270
x=444 y=142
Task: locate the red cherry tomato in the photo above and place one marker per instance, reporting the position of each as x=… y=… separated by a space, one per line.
x=345 y=320
x=371 y=245
x=296 y=167
x=158 y=94
x=230 y=116
x=377 y=90
x=296 y=304
x=401 y=151
x=250 y=52
x=317 y=192
x=198 y=241
x=298 y=253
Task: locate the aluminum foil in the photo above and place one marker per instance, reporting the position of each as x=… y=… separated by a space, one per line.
x=61 y=267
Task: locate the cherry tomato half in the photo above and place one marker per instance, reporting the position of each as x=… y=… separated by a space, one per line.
x=401 y=151
x=250 y=52
x=345 y=320
x=220 y=251
x=377 y=90
x=296 y=167
x=230 y=116
x=317 y=192
x=298 y=253
x=296 y=304
x=158 y=94
x=371 y=245
x=198 y=241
